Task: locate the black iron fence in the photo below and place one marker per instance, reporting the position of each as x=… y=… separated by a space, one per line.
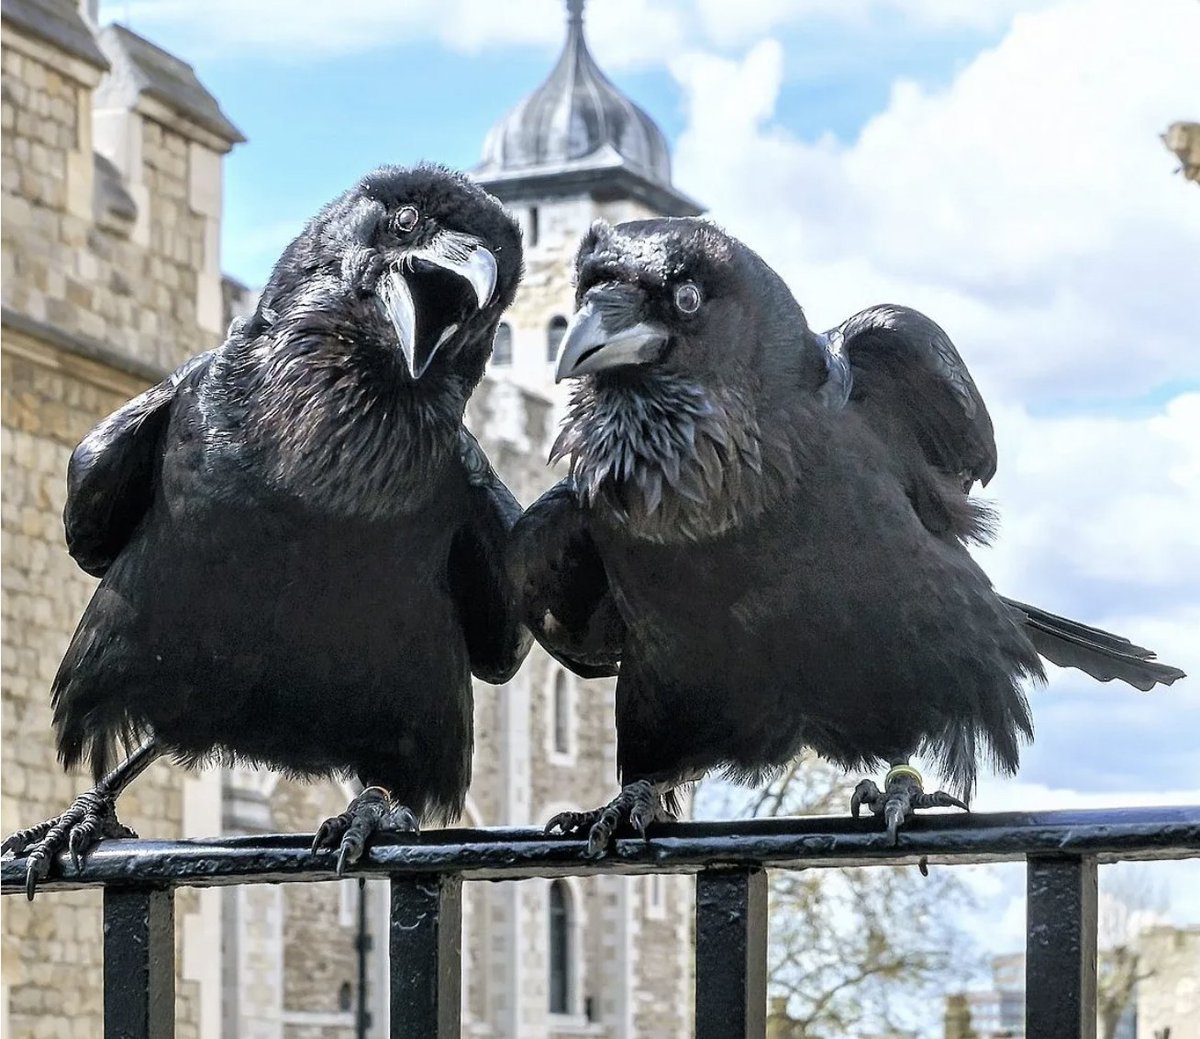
x=1061 y=849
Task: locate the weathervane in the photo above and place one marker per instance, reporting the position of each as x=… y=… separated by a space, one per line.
x=575 y=11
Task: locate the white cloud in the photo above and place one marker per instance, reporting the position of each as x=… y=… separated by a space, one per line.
x=1029 y=206
x=1112 y=499
x=282 y=28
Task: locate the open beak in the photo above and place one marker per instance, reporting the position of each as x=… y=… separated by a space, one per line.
x=607 y=332
x=433 y=290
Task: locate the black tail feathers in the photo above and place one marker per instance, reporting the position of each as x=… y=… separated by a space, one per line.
x=1099 y=653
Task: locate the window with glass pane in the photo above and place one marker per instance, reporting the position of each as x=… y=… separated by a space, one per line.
x=554 y=334
x=560 y=948
x=502 y=348
x=562 y=720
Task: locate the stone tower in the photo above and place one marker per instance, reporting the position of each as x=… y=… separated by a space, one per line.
x=574 y=151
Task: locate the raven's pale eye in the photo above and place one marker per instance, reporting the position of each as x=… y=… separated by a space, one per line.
x=407 y=219
x=687 y=298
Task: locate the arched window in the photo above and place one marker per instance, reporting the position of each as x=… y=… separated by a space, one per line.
x=502 y=344
x=560 y=948
x=562 y=714
x=554 y=334
x=533 y=226
x=656 y=896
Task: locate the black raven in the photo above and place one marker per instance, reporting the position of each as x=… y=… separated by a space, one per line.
x=764 y=529
x=300 y=546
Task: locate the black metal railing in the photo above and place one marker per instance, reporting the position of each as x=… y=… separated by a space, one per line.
x=1062 y=850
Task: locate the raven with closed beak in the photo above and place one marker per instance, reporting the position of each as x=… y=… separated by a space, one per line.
x=300 y=546
x=764 y=530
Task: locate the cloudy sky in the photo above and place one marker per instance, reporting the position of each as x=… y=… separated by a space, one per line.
x=995 y=163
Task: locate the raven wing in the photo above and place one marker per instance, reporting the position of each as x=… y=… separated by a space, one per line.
x=497 y=641
x=905 y=376
x=562 y=587
x=112 y=474
x=898 y=371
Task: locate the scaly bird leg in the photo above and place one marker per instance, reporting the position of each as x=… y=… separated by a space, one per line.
x=903 y=794
x=91 y=817
x=639 y=803
x=370 y=813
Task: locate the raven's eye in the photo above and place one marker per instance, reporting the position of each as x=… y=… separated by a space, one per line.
x=407 y=219
x=687 y=298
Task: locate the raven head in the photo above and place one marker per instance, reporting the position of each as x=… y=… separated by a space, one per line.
x=681 y=340
x=675 y=296
x=433 y=255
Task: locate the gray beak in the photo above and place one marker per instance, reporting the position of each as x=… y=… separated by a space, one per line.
x=423 y=330
x=607 y=333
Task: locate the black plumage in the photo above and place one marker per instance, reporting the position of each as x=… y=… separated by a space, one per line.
x=300 y=546
x=765 y=529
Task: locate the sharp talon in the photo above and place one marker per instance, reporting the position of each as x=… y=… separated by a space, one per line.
x=323 y=838
x=30 y=881
x=368 y=814
x=894 y=815
x=866 y=792
x=923 y=866
x=597 y=843
x=638 y=803
x=402 y=820
x=75 y=845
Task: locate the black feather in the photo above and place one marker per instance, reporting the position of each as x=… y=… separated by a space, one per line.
x=301 y=547
x=778 y=520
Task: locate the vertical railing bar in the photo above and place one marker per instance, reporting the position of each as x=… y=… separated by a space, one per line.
x=139 y=963
x=731 y=954
x=425 y=939
x=1060 y=949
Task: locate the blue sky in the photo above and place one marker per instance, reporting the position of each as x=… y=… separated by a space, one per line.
x=316 y=120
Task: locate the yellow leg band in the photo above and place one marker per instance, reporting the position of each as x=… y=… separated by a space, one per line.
x=903 y=770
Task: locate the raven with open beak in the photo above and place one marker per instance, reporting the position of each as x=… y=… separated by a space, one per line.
x=299 y=544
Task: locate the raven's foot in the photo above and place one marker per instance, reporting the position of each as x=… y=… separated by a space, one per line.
x=903 y=794
x=91 y=817
x=370 y=813
x=639 y=804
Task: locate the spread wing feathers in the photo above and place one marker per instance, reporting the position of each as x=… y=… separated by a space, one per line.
x=1099 y=653
x=562 y=587
x=497 y=641
x=113 y=472
x=906 y=376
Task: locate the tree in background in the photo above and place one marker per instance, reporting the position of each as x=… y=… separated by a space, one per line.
x=1130 y=901
x=859 y=947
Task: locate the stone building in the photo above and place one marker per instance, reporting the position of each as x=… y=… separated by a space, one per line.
x=112 y=203
x=1165 y=1003
x=1168 y=998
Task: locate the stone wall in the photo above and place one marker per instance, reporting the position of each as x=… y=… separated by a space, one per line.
x=64 y=268
x=52 y=947
x=91 y=315
x=1169 y=995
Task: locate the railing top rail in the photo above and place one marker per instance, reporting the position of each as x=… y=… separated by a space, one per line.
x=511 y=854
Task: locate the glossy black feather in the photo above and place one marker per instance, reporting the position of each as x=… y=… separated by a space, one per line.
x=1101 y=654
x=112 y=474
x=779 y=519
x=301 y=546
